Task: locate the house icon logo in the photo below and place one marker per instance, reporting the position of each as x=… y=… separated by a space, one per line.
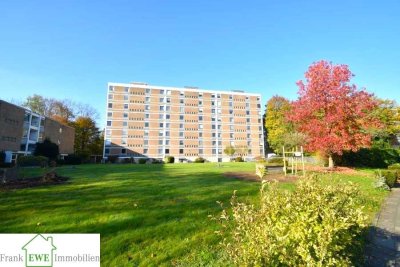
x=39 y=251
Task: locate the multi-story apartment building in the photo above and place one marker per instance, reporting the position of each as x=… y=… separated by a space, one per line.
x=21 y=129
x=154 y=122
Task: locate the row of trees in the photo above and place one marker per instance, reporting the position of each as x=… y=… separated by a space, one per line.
x=331 y=115
x=88 y=137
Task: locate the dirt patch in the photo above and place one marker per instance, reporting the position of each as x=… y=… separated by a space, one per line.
x=248 y=176
x=344 y=170
x=50 y=178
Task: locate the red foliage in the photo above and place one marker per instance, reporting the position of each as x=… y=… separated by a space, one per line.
x=334 y=114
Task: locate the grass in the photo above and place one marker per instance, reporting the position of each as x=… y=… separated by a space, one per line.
x=147 y=215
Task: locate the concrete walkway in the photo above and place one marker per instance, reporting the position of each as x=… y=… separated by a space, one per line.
x=384 y=249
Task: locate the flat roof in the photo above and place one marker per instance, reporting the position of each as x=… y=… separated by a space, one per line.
x=185 y=89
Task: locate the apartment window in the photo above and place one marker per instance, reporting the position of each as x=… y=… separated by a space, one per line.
x=110 y=105
x=162 y=92
x=248 y=136
x=167 y=142
x=200 y=103
x=182 y=93
x=126 y=97
x=146 y=133
x=218 y=96
x=219 y=111
x=168 y=92
x=248 y=120
x=214 y=151
x=161 y=125
x=161 y=133
x=167 y=125
x=111 y=88
x=247 y=112
x=161 y=108
x=146 y=107
x=168 y=116
x=109 y=114
x=123 y=141
x=168 y=100
x=160 y=151
x=200 y=110
x=230 y=97
x=219 y=135
x=181 y=117
x=125 y=115
x=181 y=109
x=126 y=106
x=161 y=116
x=181 y=151
x=213 y=96
x=200 y=151
x=232 y=143
x=200 y=118
x=108 y=142
x=200 y=126
x=108 y=123
x=213 y=111
x=214 y=143
x=181 y=142
x=219 y=127
x=248 y=128
x=108 y=132
x=231 y=120
x=146 y=124
x=258 y=106
x=231 y=135
x=124 y=132
x=200 y=134
x=231 y=111
x=180 y=134
x=181 y=101
x=145 y=151
x=212 y=103
x=249 y=143
x=145 y=142
x=147 y=91
x=126 y=89
x=213 y=127
x=167 y=151
x=181 y=126
x=219 y=143
x=258 y=99
x=230 y=104
x=247 y=105
x=167 y=133
x=107 y=151
x=110 y=96
x=231 y=128
x=214 y=135
x=160 y=142
x=200 y=142
x=147 y=115
x=147 y=99
x=167 y=108
x=124 y=123
x=162 y=99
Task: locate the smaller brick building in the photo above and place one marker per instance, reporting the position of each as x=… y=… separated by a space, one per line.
x=21 y=129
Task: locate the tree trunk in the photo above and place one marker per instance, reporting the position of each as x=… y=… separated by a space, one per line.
x=330 y=162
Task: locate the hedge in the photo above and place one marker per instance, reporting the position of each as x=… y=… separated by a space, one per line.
x=32 y=161
x=372 y=158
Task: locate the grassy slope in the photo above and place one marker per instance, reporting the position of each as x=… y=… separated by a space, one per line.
x=150 y=215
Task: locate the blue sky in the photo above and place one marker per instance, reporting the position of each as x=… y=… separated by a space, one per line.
x=71 y=49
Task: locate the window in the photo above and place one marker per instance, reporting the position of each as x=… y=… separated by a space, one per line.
x=200 y=126
x=160 y=151
x=108 y=142
x=219 y=143
x=124 y=132
x=162 y=99
x=107 y=151
x=168 y=92
x=231 y=135
x=212 y=103
x=126 y=89
x=181 y=109
x=123 y=151
x=161 y=108
x=200 y=110
x=181 y=126
x=181 y=101
x=249 y=143
x=126 y=106
x=167 y=125
x=109 y=114
x=213 y=96
x=124 y=123
x=123 y=141
x=168 y=100
x=231 y=111
x=248 y=128
x=200 y=151
x=230 y=104
x=147 y=91
x=232 y=143
x=214 y=151
x=162 y=92
x=125 y=115
x=147 y=115
x=231 y=128
x=213 y=126
x=145 y=150
x=219 y=127
x=247 y=112
x=126 y=97
x=146 y=124
x=181 y=142
x=167 y=133
x=160 y=142
x=161 y=133
x=230 y=97
x=168 y=116
x=231 y=120
x=182 y=93
x=146 y=133
x=200 y=103
x=145 y=142
x=167 y=151
x=219 y=135
x=181 y=117
x=161 y=116
x=213 y=135
x=146 y=107
x=110 y=96
x=181 y=151
x=167 y=108
x=248 y=120
x=200 y=142
x=248 y=136
x=108 y=123
x=213 y=119
x=213 y=110
x=111 y=88
x=108 y=132
x=161 y=125
x=200 y=134
x=214 y=143
x=147 y=99
x=180 y=134
x=167 y=142
x=110 y=105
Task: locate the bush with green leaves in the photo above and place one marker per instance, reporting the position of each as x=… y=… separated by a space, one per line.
x=142 y=161
x=315 y=225
x=239 y=159
x=380 y=181
x=169 y=159
x=33 y=161
x=395 y=166
x=199 y=160
x=391 y=176
x=47 y=149
x=368 y=157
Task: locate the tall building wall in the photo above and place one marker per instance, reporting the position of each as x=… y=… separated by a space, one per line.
x=154 y=122
x=11 y=125
x=60 y=134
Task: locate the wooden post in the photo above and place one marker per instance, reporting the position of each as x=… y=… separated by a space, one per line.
x=302 y=161
x=284 y=160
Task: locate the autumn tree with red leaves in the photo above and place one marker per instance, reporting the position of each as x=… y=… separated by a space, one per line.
x=333 y=114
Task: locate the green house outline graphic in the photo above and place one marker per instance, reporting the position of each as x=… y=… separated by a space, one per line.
x=49 y=250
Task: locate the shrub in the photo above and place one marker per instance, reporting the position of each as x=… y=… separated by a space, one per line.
x=315 y=225
x=32 y=161
x=2 y=157
x=239 y=159
x=380 y=181
x=372 y=158
x=169 y=159
x=395 y=166
x=47 y=149
x=275 y=161
x=142 y=161
x=73 y=160
x=391 y=176
x=113 y=159
x=199 y=160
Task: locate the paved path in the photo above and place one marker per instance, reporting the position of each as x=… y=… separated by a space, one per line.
x=384 y=249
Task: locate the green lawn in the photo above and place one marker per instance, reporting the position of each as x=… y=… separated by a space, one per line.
x=147 y=215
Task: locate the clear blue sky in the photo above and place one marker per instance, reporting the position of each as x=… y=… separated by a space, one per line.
x=71 y=49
